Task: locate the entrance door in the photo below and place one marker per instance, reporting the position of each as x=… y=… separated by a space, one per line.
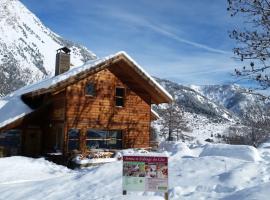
x=32 y=142
x=53 y=138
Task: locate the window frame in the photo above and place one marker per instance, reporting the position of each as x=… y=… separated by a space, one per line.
x=123 y=98
x=73 y=139
x=106 y=139
x=94 y=89
x=57 y=131
x=11 y=138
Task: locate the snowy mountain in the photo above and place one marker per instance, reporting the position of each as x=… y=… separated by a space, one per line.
x=219 y=102
x=238 y=100
x=196 y=102
x=29 y=45
x=215 y=110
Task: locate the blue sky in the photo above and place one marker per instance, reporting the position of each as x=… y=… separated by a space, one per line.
x=182 y=40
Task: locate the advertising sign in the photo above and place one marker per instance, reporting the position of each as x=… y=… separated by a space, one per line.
x=145 y=173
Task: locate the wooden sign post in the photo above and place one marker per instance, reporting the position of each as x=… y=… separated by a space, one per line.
x=166 y=196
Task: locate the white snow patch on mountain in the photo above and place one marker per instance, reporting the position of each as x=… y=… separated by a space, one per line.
x=25 y=40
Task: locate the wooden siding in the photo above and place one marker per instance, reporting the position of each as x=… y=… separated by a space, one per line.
x=57 y=106
x=123 y=68
x=99 y=112
x=54 y=121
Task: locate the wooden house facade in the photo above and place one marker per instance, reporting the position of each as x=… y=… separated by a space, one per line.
x=103 y=104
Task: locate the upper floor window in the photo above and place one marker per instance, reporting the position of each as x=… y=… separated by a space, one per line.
x=90 y=89
x=119 y=96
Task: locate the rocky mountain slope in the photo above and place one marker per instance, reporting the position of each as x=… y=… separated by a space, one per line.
x=195 y=102
x=28 y=48
x=215 y=110
x=238 y=100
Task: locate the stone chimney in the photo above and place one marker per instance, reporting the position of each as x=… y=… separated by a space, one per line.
x=62 y=63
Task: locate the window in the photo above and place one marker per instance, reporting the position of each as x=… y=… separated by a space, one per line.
x=119 y=96
x=11 y=141
x=57 y=137
x=104 y=139
x=90 y=89
x=73 y=139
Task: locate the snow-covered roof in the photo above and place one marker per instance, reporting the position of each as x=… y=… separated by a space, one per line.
x=13 y=108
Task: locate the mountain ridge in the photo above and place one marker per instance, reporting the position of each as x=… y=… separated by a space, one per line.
x=214 y=111
x=28 y=47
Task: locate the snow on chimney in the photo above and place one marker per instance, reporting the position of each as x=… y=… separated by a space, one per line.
x=62 y=63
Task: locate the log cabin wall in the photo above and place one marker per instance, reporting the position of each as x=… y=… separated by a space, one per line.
x=43 y=131
x=99 y=111
x=63 y=107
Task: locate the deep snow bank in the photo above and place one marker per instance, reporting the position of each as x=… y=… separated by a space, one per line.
x=22 y=169
x=242 y=152
x=225 y=174
x=259 y=192
x=172 y=148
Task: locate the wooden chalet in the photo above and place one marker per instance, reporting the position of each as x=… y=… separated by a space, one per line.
x=106 y=103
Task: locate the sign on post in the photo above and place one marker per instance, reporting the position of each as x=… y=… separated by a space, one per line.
x=145 y=173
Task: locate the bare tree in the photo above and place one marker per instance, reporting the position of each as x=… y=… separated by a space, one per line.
x=172 y=122
x=253 y=38
x=259 y=127
x=253 y=131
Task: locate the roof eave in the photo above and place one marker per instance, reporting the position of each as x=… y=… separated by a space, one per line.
x=164 y=96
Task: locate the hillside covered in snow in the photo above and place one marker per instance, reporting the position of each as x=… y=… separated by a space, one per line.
x=28 y=47
x=214 y=111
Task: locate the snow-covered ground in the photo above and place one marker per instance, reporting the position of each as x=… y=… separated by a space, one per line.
x=203 y=128
x=196 y=171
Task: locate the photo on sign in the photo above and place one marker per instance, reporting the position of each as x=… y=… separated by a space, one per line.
x=134 y=169
x=151 y=170
x=162 y=170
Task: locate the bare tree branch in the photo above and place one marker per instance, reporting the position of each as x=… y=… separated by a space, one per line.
x=253 y=41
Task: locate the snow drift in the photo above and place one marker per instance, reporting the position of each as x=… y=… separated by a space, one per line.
x=224 y=173
x=242 y=152
x=20 y=169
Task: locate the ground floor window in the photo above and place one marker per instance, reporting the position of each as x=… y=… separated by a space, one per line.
x=10 y=143
x=73 y=139
x=104 y=139
x=58 y=137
